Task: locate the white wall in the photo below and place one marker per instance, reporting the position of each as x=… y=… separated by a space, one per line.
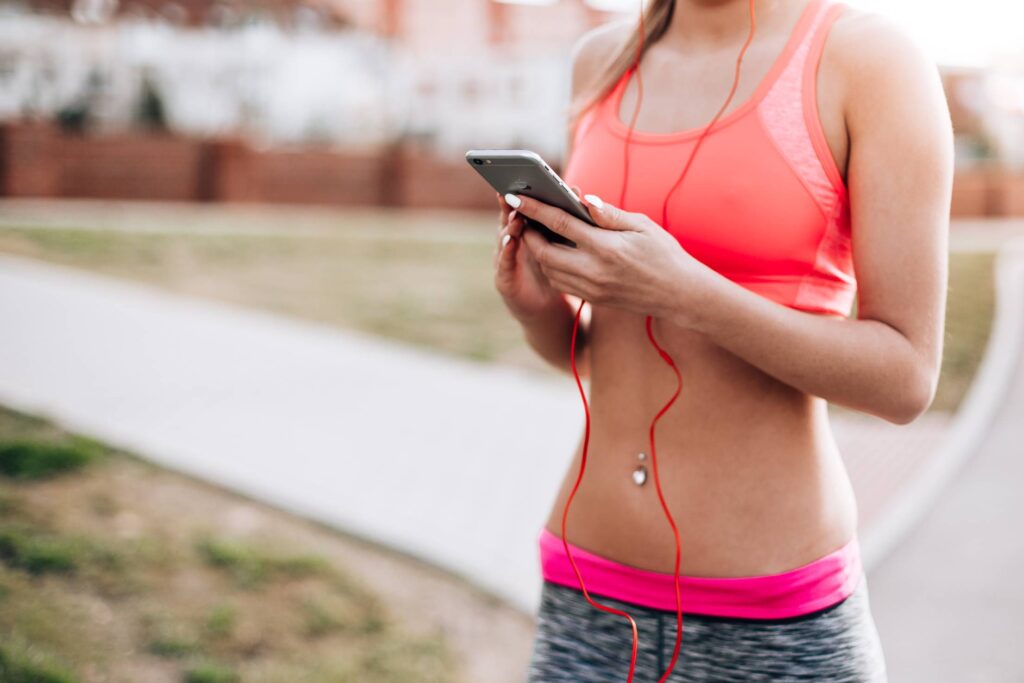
x=347 y=88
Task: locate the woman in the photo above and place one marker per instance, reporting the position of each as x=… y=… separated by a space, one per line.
x=830 y=175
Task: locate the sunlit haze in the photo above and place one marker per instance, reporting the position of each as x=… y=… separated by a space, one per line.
x=955 y=33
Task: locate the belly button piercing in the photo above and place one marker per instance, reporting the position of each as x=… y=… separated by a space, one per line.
x=640 y=473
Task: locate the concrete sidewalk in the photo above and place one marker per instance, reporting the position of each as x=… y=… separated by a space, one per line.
x=948 y=599
x=415 y=450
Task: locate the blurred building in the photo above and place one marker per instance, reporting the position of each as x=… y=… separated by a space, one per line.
x=453 y=25
x=356 y=77
x=987 y=109
x=472 y=26
x=447 y=74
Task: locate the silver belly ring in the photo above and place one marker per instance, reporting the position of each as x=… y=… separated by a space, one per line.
x=640 y=473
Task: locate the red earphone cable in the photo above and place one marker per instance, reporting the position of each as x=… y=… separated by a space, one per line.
x=664 y=355
x=579 y=478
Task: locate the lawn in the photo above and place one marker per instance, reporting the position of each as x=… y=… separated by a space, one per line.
x=112 y=569
x=421 y=278
x=427 y=283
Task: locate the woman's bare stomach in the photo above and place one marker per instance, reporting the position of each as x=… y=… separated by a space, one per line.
x=748 y=465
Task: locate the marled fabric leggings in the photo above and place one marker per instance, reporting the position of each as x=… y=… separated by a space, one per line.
x=578 y=643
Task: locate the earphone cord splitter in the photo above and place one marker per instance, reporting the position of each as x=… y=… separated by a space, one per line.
x=664 y=355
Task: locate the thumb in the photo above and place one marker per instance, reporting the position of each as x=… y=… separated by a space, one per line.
x=609 y=216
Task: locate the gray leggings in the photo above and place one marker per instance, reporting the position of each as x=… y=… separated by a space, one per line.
x=576 y=642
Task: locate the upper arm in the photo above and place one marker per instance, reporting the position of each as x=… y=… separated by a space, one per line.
x=591 y=55
x=900 y=177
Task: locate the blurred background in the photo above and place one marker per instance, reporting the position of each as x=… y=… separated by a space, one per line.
x=257 y=392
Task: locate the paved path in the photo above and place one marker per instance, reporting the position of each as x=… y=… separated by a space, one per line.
x=949 y=602
x=414 y=450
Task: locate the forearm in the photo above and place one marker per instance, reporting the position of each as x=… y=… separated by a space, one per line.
x=864 y=364
x=550 y=333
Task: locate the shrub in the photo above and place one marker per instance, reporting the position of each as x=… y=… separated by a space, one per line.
x=27 y=460
x=210 y=673
x=37 y=554
x=250 y=565
x=220 y=621
x=25 y=666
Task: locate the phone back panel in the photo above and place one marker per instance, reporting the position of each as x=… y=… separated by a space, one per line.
x=524 y=172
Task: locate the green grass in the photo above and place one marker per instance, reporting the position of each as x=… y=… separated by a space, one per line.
x=251 y=565
x=38 y=552
x=26 y=664
x=396 y=282
x=221 y=621
x=970 y=305
x=211 y=673
x=79 y=599
x=24 y=459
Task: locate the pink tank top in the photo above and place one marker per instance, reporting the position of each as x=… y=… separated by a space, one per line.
x=767 y=207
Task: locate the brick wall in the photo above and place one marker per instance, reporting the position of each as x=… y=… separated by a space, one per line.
x=304 y=176
x=425 y=180
x=27 y=169
x=37 y=160
x=988 y=192
x=160 y=167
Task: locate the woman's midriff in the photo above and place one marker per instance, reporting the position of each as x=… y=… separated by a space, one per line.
x=747 y=464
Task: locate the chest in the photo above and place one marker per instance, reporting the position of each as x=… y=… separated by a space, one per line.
x=684 y=94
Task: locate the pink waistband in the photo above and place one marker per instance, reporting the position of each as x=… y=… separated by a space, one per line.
x=795 y=592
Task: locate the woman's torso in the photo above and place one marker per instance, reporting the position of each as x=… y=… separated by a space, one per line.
x=747 y=464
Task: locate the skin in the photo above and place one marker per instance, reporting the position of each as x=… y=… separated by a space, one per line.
x=746 y=457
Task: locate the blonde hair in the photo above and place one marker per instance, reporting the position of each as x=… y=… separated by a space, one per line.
x=656 y=19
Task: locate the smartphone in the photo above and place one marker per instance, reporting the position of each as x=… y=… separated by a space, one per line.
x=521 y=171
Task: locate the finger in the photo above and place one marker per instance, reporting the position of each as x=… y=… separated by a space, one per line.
x=578 y=191
x=505 y=208
x=534 y=242
x=611 y=217
x=507 y=255
x=555 y=256
x=535 y=245
x=516 y=224
x=566 y=283
x=506 y=245
x=502 y=233
x=552 y=217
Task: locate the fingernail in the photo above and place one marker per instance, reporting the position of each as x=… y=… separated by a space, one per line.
x=594 y=200
x=505 y=239
x=512 y=216
x=513 y=200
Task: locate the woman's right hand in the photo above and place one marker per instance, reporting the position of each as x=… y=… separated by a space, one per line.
x=517 y=275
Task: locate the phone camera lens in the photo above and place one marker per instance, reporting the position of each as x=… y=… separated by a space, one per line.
x=478 y=162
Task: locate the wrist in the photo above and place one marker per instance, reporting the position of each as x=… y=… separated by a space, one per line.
x=699 y=299
x=553 y=307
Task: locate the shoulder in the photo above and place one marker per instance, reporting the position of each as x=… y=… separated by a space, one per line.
x=882 y=66
x=594 y=50
x=863 y=39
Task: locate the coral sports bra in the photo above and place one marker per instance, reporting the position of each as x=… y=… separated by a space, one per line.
x=764 y=203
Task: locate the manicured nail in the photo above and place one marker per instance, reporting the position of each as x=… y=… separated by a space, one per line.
x=594 y=200
x=505 y=239
x=513 y=200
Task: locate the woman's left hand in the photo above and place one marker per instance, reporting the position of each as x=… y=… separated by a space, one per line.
x=628 y=261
